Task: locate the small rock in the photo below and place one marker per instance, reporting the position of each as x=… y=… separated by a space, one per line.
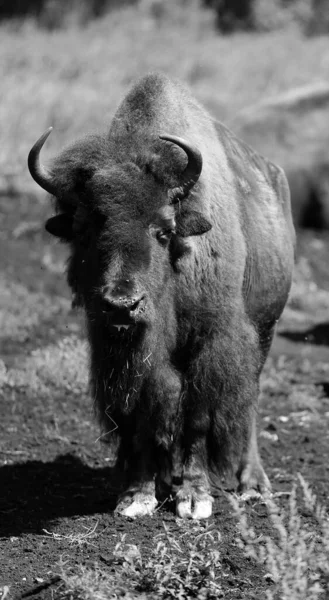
x=273 y=437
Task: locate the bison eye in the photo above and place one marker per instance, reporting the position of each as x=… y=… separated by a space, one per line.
x=164 y=236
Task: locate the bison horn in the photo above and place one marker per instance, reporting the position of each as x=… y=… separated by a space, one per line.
x=193 y=169
x=37 y=170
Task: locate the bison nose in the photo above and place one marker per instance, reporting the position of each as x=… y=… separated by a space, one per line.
x=117 y=300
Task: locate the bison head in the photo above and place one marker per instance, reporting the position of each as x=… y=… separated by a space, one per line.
x=125 y=224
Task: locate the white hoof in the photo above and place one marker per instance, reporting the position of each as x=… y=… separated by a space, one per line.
x=202 y=509
x=137 y=506
x=253 y=480
x=191 y=506
x=184 y=507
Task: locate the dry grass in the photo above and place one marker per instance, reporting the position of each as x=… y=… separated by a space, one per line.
x=21 y=309
x=76 y=539
x=56 y=368
x=296 y=555
x=183 y=568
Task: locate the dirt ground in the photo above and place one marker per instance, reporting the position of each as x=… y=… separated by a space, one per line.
x=57 y=485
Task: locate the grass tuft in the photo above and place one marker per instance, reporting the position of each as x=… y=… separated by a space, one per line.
x=75 y=539
x=183 y=568
x=296 y=556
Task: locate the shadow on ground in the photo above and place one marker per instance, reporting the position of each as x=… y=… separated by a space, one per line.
x=318 y=335
x=35 y=493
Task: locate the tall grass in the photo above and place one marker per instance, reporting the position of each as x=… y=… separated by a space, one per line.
x=296 y=555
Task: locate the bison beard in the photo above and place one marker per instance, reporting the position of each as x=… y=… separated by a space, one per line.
x=197 y=266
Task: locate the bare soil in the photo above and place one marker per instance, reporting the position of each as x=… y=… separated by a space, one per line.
x=56 y=480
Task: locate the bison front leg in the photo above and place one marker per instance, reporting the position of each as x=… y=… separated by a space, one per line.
x=250 y=473
x=139 y=498
x=193 y=497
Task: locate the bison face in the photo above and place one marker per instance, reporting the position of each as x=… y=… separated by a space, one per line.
x=126 y=240
x=121 y=263
x=125 y=223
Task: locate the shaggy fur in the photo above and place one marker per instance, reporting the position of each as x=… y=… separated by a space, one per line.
x=177 y=393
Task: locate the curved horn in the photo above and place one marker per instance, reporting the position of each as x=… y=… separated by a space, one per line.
x=193 y=169
x=39 y=173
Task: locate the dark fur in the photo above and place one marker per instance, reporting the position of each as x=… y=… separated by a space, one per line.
x=184 y=382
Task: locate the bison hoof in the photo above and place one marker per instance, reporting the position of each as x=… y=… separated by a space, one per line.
x=138 y=505
x=254 y=482
x=191 y=506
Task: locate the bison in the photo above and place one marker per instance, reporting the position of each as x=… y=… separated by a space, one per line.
x=181 y=254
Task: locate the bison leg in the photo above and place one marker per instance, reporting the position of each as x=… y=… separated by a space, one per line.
x=139 y=498
x=193 y=498
x=250 y=474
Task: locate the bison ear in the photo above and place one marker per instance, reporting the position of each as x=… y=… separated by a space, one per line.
x=191 y=222
x=60 y=226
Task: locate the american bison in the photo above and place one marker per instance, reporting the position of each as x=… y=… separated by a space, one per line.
x=181 y=254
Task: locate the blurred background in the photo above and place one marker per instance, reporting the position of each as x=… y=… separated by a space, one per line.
x=68 y=63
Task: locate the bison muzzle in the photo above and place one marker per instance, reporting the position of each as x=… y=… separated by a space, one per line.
x=181 y=254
